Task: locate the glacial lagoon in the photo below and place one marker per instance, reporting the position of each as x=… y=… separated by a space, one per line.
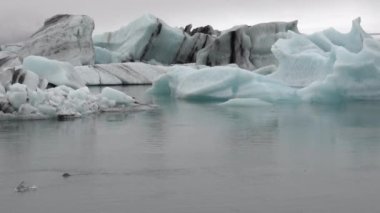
x=184 y=157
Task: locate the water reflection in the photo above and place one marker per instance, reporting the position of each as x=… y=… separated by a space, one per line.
x=285 y=158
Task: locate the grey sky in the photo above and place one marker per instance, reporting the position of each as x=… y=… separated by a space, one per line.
x=19 y=18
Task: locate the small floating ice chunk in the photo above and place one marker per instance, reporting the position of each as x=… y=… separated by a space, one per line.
x=117 y=96
x=246 y=102
x=24 y=188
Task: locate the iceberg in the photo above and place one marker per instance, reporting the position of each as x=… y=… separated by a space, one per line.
x=309 y=70
x=63 y=37
x=150 y=39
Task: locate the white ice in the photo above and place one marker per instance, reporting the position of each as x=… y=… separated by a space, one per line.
x=117 y=96
x=56 y=72
x=61 y=100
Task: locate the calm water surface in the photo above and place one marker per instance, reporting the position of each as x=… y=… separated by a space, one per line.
x=196 y=158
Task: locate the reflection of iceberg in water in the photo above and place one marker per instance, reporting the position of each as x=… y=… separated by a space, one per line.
x=323 y=67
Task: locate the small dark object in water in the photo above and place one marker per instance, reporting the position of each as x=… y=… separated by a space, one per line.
x=65 y=117
x=66 y=175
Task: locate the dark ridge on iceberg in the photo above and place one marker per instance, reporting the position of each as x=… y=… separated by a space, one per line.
x=247 y=46
x=153 y=36
x=232 y=46
x=208 y=30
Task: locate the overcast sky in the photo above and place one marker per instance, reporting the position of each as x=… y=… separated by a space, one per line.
x=20 y=18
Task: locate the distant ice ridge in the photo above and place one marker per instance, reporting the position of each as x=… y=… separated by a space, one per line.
x=150 y=39
x=325 y=67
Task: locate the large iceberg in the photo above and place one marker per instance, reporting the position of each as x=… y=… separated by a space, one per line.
x=325 y=67
x=150 y=39
x=288 y=67
x=63 y=37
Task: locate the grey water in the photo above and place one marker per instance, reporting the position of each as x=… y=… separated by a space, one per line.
x=183 y=157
